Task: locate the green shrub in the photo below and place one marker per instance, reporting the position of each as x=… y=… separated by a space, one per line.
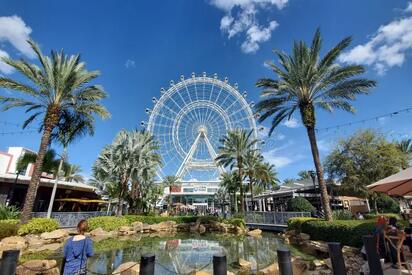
x=346 y=232
x=342 y=215
x=159 y=219
x=9 y=212
x=38 y=225
x=107 y=223
x=387 y=204
x=300 y=204
x=236 y=222
x=8 y=228
x=296 y=223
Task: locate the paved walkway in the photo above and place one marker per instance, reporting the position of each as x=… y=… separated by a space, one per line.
x=388 y=270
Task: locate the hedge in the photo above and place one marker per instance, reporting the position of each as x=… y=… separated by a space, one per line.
x=8 y=228
x=296 y=223
x=347 y=232
x=38 y=225
x=386 y=215
x=159 y=219
x=107 y=223
x=300 y=204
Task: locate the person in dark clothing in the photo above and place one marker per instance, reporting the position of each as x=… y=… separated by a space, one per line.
x=76 y=251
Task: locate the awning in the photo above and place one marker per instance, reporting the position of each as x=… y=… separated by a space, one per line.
x=81 y=200
x=399 y=184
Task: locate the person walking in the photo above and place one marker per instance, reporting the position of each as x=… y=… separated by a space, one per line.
x=76 y=251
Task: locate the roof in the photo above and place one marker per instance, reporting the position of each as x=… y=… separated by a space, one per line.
x=48 y=182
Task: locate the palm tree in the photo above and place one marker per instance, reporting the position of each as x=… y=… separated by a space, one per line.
x=405 y=146
x=229 y=182
x=288 y=181
x=171 y=181
x=121 y=161
x=305 y=82
x=267 y=176
x=60 y=84
x=73 y=173
x=233 y=151
x=253 y=165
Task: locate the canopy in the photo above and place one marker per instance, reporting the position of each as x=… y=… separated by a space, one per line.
x=81 y=200
x=399 y=184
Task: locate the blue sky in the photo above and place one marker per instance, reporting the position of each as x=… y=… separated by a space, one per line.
x=139 y=46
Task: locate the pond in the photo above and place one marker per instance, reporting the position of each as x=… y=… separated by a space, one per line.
x=183 y=253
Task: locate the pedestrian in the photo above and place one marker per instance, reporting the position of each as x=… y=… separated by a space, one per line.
x=76 y=251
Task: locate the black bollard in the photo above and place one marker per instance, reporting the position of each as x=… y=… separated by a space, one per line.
x=9 y=261
x=374 y=262
x=336 y=257
x=147 y=264
x=284 y=262
x=219 y=264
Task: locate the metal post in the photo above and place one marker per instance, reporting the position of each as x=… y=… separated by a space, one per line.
x=284 y=261
x=219 y=265
x=147 y=264
x=9 y=261
x=372 y=255
x=336 y=257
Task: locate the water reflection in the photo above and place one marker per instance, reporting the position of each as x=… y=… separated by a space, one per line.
x=184 y=253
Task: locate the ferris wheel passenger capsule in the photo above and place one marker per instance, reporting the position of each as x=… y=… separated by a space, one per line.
x=252 y=104
x=236 y=86
x=215 y=75
x=162 y=90
x=142 y=123
x=193 y=75
x=154 y=100
x=257 y=115
x=148 y=111
x=182 y=77
x=226 y=79
x=244 y=94
x=172 y=83
x=204 y=74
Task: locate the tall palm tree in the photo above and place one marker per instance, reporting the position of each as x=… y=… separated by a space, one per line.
x=253 y=165
x=171 y=181
x=121 y=161
x=73 y=173
x=233 y=151
x=305 y=82
x=405 y=146
x=60 y=84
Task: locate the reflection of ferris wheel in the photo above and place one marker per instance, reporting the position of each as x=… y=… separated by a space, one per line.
x=190 y=118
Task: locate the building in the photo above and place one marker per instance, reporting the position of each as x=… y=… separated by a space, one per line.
x=277 y=200
x=70 y=196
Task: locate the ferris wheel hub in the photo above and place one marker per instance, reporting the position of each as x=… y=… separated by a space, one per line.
x=202 y=129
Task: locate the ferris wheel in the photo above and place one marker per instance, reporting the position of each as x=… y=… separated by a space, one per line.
x=190 y=118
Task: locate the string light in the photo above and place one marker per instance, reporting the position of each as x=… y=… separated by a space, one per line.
x=17 y=133
x=375 y=118
x=7 y=123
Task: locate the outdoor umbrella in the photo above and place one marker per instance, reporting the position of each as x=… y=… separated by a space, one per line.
x=399 y=184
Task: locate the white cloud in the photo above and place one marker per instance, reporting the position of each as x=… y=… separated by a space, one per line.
x=241 y=17
x=272 y=156
x=14 y=31
x=408 y=7
x=324 y=145
x=130 y=63
x=387 y=48
x=292 y=123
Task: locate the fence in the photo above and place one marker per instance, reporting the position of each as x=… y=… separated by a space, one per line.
x=278 y=218
x=70 y=219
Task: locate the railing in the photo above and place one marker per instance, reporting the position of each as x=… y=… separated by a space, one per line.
x=278 y=218
x=70 y=219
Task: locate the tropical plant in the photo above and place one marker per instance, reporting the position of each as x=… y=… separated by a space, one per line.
x=267 y=176
x=72 y=173
x=233 y=151
x=289 y=181
x=59 y=85
x=306 y=82
x=253 y=166
x=171 y=181
x=405 y=146
x=300 y=204
x=9 y=212
x=122 y=162
x=229 y=183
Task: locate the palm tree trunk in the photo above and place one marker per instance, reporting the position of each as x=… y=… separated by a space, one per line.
x=53 y=194
x=242 y=199
x=35 y=179
x=319 y=173
x=251 y=191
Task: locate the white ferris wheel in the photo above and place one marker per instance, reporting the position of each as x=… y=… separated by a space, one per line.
x=188 y=121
